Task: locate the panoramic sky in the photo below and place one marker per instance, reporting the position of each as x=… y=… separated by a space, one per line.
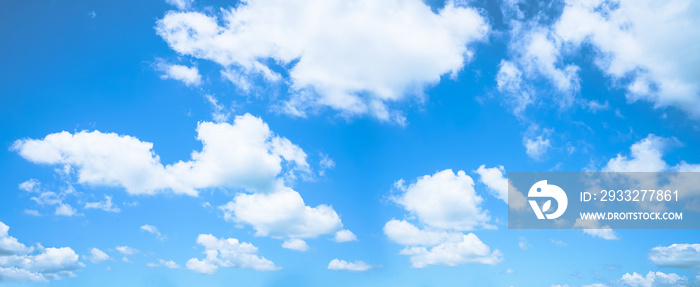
x=334 y=143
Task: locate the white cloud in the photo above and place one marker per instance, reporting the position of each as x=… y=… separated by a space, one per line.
x=180 y=4
x=445 y=200
x=631 y=44
x=227 y=253
x=65 y=209
x=10 y=245
x=97 y=256
x=654 y=279
x=445 y=204
x=405 y=233
x=282 y=213
x=536 y=147
x=326 y=163
x=220 y=113
x=494 y=178
x=188 y=75
x=18 y=264
x=645 y=155
x=522 y=243
x=153 y=230
x=469 y=249
x=398 y=48
x=170 y=264
x=342 y=265
x=509 y=82
x=344 y=236
x=244 y=154
x=126 y=250
x=593 y=228
x=32 y=212
x=676 y=255
x=295 y=244
x=105 y=205
x=641 y=39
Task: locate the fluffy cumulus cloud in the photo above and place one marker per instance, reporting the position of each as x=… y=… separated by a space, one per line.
x=467 y=249
x=345 y=236
x=282 y=214
x=676 y=255
x=444 y=200
x=328 y=57
x=659 y=279
x=229 y=252
x=19 y=263
x=10 y=245
x=245 y=154
x=295 y=244
x=342 y=265
x=631 y=43
x=445 y=204
x=645 y=155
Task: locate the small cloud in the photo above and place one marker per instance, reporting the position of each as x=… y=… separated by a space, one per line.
x=92 y=14
x=342 y=265
x=509 y=271
x=97 y=256
x=170 y=264
x=326 y=163
x=558 y=242
x=522 y=243
x=181 y=4
x=188 y=75
x=32 y=212
x=295 y=244
x=345 y=236
x=64 y=209
x=153 y=230
x=105 y=205
x=126 y=250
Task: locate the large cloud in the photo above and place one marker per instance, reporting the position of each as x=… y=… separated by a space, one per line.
x=353 y=56
x=645 y=46
x=17 y=263
x=676 y=255
x=658 y=279
x=229 y=252
x=445 y=204
x=282 y=214
x=445 y=200
x=243 y=155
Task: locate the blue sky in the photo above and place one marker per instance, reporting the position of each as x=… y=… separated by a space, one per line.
x=343 y=143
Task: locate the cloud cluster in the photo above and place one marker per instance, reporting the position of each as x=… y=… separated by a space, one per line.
x=19 y=263
x=445 y=204
x=328 y=57
x=676 y=255
x=229 y=252
x=635 y=43
x=242 y=155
